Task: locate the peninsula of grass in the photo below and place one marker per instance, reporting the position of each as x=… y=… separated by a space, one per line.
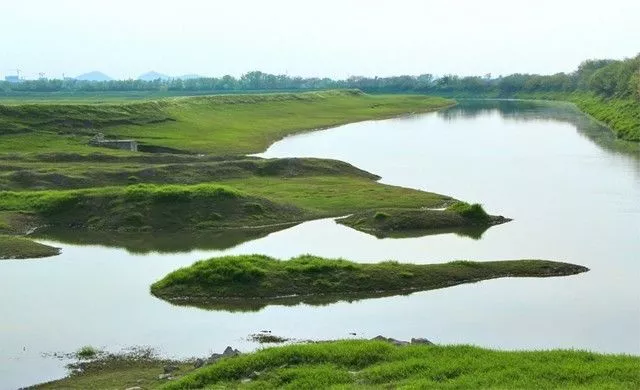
x=218 y=125
x=277 y=192
x=366 y=364
x=14 y=247
x=263 y=278
x=392 y=222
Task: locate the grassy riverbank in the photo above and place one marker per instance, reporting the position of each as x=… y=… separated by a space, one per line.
x=621 y=115
x=219 y=124
x=262 y=277
x=373 y=364
x=12 y=247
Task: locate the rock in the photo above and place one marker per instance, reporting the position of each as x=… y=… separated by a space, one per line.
x=170 y=368
x=421 y=341
x=228 y=352
x=254 y=375
x=165 y=376
x=198 y=363
x=397 y=342
x=213 y=358
x=134 y=388
x=390 y=340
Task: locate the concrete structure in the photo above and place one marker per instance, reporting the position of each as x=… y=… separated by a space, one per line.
x=123 y=144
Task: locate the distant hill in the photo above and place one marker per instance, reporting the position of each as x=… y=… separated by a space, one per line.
x=93 y=76
x=150 y=76
x=189 y=76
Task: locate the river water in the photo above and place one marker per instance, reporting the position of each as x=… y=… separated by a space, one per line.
x=573 y=192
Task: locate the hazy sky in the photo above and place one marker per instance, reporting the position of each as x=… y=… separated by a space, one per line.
x=313 y=38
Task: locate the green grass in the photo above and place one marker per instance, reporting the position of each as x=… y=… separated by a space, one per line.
x=140 y=368
x=362 y=364
x=376 y=364
x=151 y=208
x=337 y=195
x=621 y=115
x=87 y=352
x=91 y=172
x=12 y=247
x=262 y=277
x=219 y=124
x=277 y=191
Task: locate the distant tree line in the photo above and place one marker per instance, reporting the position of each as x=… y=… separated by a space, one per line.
x=606 y=78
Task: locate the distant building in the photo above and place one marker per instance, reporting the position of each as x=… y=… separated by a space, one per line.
x=124 y=144
x=12 y=79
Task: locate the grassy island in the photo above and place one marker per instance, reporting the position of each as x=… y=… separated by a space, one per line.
x=260 y=278
x=368 y=364
x=13 y=247
x=412 y=222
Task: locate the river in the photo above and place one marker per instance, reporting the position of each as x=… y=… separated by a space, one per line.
x=573 y=192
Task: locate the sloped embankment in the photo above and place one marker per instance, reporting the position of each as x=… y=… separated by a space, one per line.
x=150 y=207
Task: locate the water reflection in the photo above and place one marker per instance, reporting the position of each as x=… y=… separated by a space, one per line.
x=176 y=242
x=473 y=232
x=161 y=242
x=530 y=110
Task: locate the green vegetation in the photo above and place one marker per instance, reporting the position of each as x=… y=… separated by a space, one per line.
x=151 y=207
x=140 y=367
x=87 y=352
x=12 y=247
x=471 y=212
x=402 y=222
x=262 y=277
x=335 y=195
x=611 y=82
x=377 y=364
x=363 y=364
x=220 y=125
x=277 y=192
x=76 y=171
x=621 y=115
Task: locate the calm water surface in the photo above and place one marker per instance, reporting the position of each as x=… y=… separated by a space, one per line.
x=573 y=193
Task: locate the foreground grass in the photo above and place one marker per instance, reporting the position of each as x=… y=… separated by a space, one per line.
x=261 y=277
x=219 y=125
x=371 y=364
x=12 y=247
x=361 y=364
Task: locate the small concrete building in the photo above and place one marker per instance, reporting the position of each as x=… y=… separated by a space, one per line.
x=123 y=144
